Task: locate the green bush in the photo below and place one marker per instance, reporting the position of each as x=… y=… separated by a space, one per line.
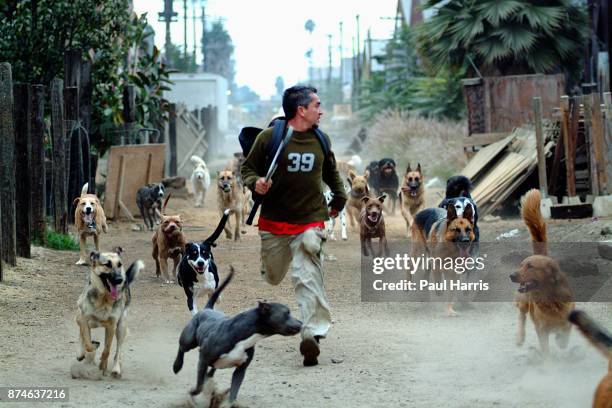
x=58 y=241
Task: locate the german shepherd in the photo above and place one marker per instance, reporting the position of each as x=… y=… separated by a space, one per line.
x=543 y=289
x=602 y=340
x=412 y=194
x=443 y=234
x=104 y=303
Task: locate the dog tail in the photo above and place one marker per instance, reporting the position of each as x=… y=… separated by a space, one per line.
x=163 y=210
x=84 y=189
x=220 y=227
x=197 y=160
x=595 y=334
x=532 y=216
x=215 y=295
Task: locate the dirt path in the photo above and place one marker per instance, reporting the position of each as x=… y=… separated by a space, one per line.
x=392 y=354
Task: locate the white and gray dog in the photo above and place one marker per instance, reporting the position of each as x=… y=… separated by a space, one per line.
x=200 y=180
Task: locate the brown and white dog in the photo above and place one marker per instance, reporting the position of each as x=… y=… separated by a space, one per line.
x=412 y=194
x=168 y=243
x=372 y=225
x=104 y=303
x=441 y=234
x=359 y=190
x=602 y=340
x=89 y=220
x=232 y=196
x=544 y=291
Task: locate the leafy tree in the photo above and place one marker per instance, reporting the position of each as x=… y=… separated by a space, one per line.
x=404 y=85
x=218 y=50
x=176 y=59
x=506 y=37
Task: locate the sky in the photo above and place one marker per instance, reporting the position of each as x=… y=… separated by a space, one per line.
x=269 y=36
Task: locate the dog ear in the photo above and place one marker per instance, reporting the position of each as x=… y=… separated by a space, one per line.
x=451 y=213
x=76 y=201
x=263 y=307
x=365 y=199
x=351 y=175
x=367 y=174
x=133 y=271
x=419 y=167
x=94 y=256
x=118 y=250
x=408 y=169
x=468 y=212
x=382 y=198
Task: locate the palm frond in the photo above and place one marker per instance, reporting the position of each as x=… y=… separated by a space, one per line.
x=494 y=11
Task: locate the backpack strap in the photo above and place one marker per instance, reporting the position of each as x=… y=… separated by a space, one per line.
x=277 y=138
x=323 y=142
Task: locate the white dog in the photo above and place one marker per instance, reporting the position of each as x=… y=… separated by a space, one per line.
x=200 y=180
x=331 y=223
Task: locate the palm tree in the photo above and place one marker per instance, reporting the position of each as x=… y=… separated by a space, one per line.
x=506 y=37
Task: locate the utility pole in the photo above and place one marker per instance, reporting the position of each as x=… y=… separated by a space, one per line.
x=204 y=67
x=329 y=60
x=368 y=57
x=358 y=52
x=185 y=27
x=168 y=16
x=193 y=2
x=341 y=60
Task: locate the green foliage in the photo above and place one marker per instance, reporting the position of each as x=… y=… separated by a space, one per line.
x=35 y=34
x=176 y=59
x=404 y=86
x=58 y=241
x=506 y=37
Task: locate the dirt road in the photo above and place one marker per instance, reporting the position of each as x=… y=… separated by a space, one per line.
x=387 y=354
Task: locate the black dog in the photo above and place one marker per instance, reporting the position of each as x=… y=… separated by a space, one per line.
x=458 y=193
x=388 y=182
x=199 y=261
x=226 y=342
x=373 y=177
x=149 y=201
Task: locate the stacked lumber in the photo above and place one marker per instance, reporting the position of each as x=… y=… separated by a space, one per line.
x=498 y=169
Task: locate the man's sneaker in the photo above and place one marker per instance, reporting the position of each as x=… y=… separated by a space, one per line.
x=309 y=348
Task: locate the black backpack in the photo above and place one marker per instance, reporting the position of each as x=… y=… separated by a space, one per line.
x=248 y=135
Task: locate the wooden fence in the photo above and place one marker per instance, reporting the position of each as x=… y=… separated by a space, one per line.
x=23 y=184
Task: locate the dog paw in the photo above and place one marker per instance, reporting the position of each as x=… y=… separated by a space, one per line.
x=116 y=374
x=81 y=262
x=80 y=357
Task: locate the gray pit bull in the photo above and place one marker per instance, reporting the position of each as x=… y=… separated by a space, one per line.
x=226 y=342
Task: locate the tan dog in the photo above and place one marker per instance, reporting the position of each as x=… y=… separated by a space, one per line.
x=412 y=194
x=449 y=236
x=230 y=195
x=168 y=243
x=89 y=220
x=602 y=340
x=544 y=291
x=372 y=225
x=104 y=303
x=359 y=190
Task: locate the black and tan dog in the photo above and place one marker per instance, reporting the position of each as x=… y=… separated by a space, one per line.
x=388 y=182
x=602 y=340
x=412 y=194
x=544 y=291
x=89 y=220
x=104 y=303
x=443 y=234
x=372 y=225
x=234 y=197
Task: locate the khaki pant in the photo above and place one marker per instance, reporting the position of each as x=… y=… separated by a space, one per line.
x=303 y=253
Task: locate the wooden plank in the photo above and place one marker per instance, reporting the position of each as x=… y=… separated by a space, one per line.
x=23 y=211
x=58 y=132
x=537 y=112
x=483 y=139
x=37 y=173
x=7 y=168
x=572 y=137
x=172 y=139
x=598 y=144
x=588 y=128
x=569 y=160
x=484 y=157
x=145 y=163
